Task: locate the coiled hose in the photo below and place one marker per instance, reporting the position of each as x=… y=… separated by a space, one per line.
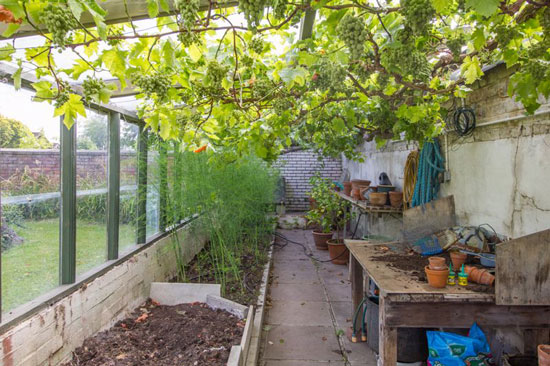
x=430 y=165
x=409 y=181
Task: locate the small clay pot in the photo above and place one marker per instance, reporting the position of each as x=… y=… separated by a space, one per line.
x=437 y=279
x=458 y=259
x=321 y=239
x=544 y=354
x=478 y=275
x=378 y=198
x=338 y=252
x=396 y=199
x=355 y=183
x=347 y=188
x=437 y=263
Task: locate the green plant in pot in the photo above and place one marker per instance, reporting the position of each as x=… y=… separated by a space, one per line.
x=329 y=213
x=341 y=214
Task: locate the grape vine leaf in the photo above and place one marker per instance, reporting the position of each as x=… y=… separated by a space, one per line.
x=471 y=69
x=71 y=109
x=483 y=7
x=6 y=52
x=441 y=5
x=153 y=8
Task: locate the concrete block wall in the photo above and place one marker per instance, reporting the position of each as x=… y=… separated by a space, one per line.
x=49 y=336
x=498 y=174
x=297 y=167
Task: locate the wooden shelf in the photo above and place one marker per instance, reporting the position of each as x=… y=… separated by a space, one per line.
x=362 y=205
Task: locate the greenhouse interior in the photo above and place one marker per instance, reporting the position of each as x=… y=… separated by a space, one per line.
x=274 y=182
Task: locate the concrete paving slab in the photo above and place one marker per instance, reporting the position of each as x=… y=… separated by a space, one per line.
x=304 y=363
x=338 y=292
x=299 y=313
x=296 y=276
x=297 y=292
x=286 y=342
x=336 y=276
x=343 y=313
x=285 y=265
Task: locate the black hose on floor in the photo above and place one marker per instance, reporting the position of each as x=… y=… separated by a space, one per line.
x=305 y=249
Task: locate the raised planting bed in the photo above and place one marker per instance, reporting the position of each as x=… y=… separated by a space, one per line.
x=181 y=324
x=159 y=335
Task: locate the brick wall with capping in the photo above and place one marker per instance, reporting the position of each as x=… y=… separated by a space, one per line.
x=297 y=167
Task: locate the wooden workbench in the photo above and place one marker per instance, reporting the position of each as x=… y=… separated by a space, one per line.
x=363 y=206
x=407 y=303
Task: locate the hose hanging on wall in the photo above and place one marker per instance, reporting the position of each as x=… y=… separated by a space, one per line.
x=464 y=121
x=409 y=181
x=427 y=181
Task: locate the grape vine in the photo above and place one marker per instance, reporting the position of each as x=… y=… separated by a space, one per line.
x=187 y=11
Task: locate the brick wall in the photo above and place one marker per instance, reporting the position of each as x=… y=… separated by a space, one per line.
x=297 y=167
x=51 y=335
x=47 y=162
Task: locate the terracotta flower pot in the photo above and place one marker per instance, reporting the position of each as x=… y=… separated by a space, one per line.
x=347 y=188
x=544 y=354
x=356 y=186
x=478 y=275
x=378 y=198
x=458 y=260
x=338 y=252
x=396 y=199
x=321 y=239
x=437 y=263
x=437 y=279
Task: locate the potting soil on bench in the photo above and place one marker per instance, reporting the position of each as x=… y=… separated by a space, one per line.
x=188 y=334
x=413 y=264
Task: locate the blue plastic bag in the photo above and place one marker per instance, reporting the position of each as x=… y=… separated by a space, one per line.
x=449 y=349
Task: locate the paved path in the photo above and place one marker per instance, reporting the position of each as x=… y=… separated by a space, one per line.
x=310 y=310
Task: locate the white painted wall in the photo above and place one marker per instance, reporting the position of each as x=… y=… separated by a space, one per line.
x=500 y=175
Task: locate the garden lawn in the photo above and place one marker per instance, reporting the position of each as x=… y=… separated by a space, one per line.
x=32 y=268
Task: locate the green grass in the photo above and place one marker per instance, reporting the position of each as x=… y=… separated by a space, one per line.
x=32 y=268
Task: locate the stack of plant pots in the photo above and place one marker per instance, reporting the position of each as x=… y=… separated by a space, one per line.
x=347 y=188
x=479 y=275
x=437 y=272
x=458 y=259
x=357 y=185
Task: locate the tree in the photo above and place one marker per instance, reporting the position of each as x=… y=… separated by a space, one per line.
x=374 y=69
x=14 y=134
x=93 y=134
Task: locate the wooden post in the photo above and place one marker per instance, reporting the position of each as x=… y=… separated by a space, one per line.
x=356 y=272
x=387 y=341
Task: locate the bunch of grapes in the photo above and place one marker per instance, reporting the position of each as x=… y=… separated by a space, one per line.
x=215 y=73
x=279 y=8
x=407 y=59
x=536 y=69
x=352 y=30
x=505 y=35
x=539 y=50
x=253 y=11
x=247 y=60
x=188 y=37
x=60 y=22
x=262 y=88
x=188 y=12
x=91 y=88
x=282 y=105
x=62 y=96
x=157 y=83
x=256 y=45
x=418 y=15
x=330 y=77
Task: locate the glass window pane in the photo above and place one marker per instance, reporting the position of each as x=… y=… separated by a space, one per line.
x=128 y=185
x=153 y=185
x=29 y=181
x=91 y=182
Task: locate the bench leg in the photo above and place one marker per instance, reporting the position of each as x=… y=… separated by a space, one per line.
x=387 y=338
x=356 y=273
